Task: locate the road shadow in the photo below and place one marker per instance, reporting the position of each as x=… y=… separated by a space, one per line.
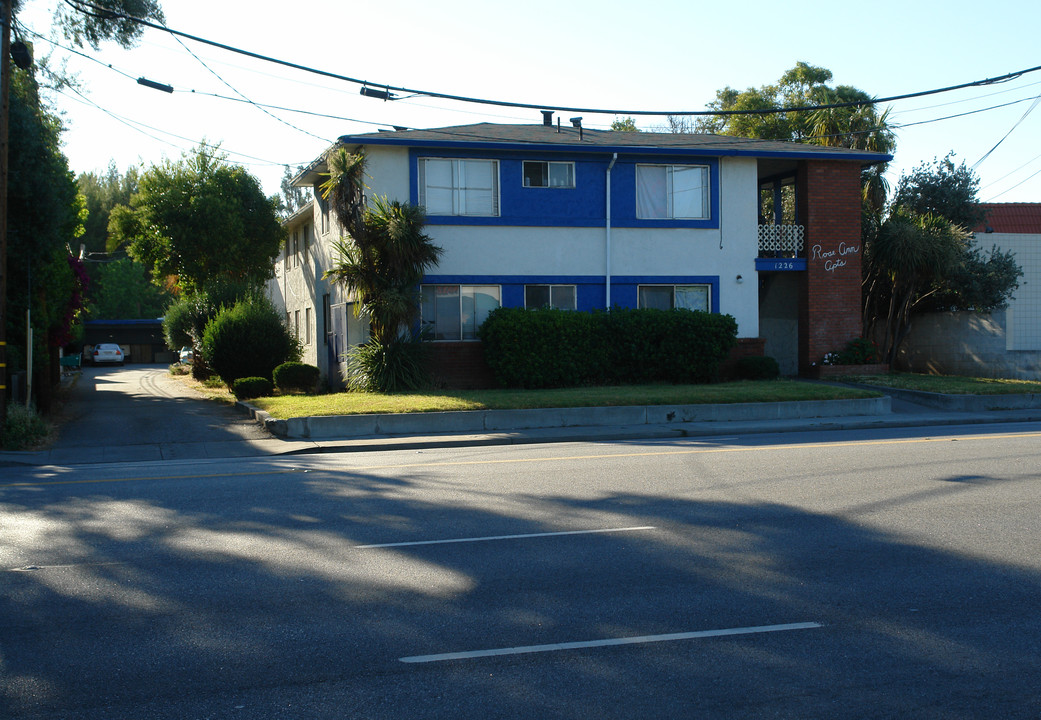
x=127 y=595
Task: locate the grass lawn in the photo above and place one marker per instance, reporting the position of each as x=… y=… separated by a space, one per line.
x=286 y=406
x=950 y=384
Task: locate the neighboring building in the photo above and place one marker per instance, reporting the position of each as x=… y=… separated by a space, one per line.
x=533 y=215
x=1005 y=343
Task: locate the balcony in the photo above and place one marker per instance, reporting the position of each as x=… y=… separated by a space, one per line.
x=781 y=248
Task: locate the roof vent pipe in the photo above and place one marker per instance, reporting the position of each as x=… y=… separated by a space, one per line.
x=547 y=118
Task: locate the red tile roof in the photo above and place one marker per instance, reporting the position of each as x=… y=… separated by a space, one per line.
x=1012 y=218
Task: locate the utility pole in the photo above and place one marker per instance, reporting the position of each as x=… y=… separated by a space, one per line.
x=5 y=87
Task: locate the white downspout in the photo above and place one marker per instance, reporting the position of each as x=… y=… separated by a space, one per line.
x=607 y=239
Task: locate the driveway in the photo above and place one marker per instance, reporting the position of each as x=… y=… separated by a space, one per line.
x=141 y=412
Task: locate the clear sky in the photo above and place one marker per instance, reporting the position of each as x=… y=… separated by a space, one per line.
x=666 y=55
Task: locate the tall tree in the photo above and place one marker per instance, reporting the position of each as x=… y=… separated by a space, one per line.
x=292 y=198
x=88 y=24
x=859 y=125
x=198 y=220
x=942 y=188
x=43 y=220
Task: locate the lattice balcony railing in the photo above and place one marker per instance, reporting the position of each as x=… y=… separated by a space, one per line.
x=781 y=240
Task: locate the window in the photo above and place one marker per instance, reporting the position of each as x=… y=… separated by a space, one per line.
x=307 y=326
x=327 y=326
x=561 y=297
x=549 y=174
x=459 y=187
x=307 y=243
x=296 y=324
x=665 y=192
x=668 y=297
x=454 y=312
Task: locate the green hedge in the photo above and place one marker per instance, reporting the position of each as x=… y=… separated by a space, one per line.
x=557 y=348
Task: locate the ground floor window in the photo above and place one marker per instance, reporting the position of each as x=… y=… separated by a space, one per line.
x=668 y=297
x=562 y=297
x=454 y=312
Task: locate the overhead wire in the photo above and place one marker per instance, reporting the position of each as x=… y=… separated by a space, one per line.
x=81 y=6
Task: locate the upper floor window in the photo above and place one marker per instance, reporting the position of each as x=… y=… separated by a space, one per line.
x=459 y=186
x=667 y=192
x=561 y=297
x=670 y=297
x=539 y=174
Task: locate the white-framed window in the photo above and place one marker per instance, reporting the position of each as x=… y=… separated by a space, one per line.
x=307 y=326
x=296 y=324
x=542 y=174
x=562 y=297
x=454 y=312
x=307 y=243
x=669 y=297
x=459 y=186
x=668 y=192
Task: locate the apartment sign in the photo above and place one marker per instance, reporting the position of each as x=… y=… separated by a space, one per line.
x=833 y=259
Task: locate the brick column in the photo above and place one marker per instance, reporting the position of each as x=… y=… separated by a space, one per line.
x=829 y=298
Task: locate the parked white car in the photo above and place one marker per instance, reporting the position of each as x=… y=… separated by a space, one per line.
x=107 y=353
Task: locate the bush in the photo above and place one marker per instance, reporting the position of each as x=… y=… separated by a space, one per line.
x=860 y=351
x=24 y=429
x=248 y=339
x=757 y=368
x=386 y=368
x=557 y=348
x=296 y=376
x=248 y=388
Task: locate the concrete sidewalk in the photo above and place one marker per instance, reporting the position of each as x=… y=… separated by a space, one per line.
x=437 y=430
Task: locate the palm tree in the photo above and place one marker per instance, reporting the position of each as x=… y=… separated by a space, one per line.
x=382 y=260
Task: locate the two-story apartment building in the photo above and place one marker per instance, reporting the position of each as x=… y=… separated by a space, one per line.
x=534 y=215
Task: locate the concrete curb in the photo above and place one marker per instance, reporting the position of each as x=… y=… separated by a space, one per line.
x=961 y=403
x=492 y=421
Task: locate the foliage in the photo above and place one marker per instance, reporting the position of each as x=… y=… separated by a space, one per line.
x=185 y=319
x=248 y=388
x=626 y=124
x=24 y=429
x=556 y=348
x=922 y=257
x=296 y=376
x=102 y=192
x=199 y=220
x=247 y=339
x=858 y=351
x=944 y=189
x=981 y=284
x=905 y=263
x=81 y=24
x=757 y=367
x=858 y=126
x=386 y=367
x=44 y=218
x=120 y=290
x=292 y=198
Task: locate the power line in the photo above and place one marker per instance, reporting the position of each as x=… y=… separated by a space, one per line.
x=81 y=6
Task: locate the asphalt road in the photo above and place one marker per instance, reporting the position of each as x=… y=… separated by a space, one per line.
x=146 y=414
x=848 y=574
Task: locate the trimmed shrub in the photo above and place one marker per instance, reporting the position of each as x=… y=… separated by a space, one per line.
x=248 y=388
x=248 y=339
x=393 y=367
x=294 y=375
x=557 y=348
x=757 y=367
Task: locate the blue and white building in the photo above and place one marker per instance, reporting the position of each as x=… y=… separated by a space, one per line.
x=535 y=215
